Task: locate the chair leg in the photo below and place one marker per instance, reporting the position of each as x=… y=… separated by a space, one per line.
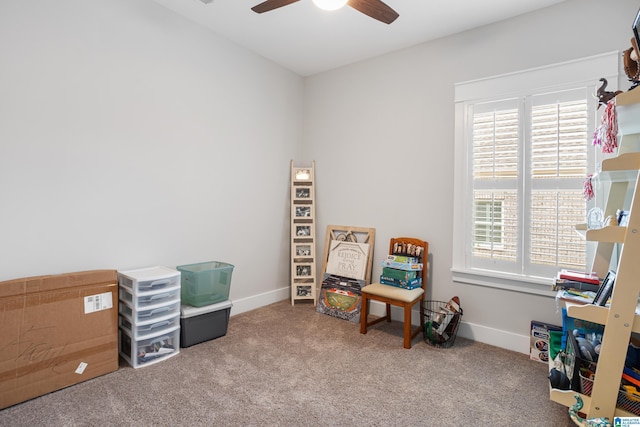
x=407 y=326
x=364 y=312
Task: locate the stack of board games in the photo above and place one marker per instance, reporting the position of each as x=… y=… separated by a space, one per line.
x=403 y=271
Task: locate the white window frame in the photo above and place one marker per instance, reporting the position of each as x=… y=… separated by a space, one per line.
x=584 y=73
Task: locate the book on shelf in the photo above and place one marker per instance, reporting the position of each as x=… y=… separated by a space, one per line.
x=574 y=284
x=579 y=276
x=585 y=297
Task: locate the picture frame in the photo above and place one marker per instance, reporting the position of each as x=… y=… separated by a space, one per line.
x=304 y=270
x=303 y=193
x=303 y=251
x=303 y=290
x=302 y=211
x=348 y=259
x=605 y=290
x=303 y=231
x=353 y=235
x=302 y=174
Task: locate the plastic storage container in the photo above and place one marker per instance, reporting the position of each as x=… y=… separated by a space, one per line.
x=200 y=324
x=149 y=279
x=149 y=350
x=205 y=283
x=149 y=314
x=141 y=329
x=144 y=300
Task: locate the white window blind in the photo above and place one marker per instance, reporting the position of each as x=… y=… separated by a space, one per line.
x=521 y=161
x=527 y=154
x=496 y=164
x=495 y=144
x=559 y=159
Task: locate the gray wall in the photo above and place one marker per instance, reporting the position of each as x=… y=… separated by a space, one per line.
x=382 y=135
x=130 y=137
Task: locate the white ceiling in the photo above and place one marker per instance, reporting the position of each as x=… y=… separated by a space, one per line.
x=308 y=40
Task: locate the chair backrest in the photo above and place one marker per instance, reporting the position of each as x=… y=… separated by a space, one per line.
x=408 y=246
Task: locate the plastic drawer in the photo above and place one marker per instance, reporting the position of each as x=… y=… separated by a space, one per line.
x=148 y=351
x=150 y=314
x=145 y=300
x=149 y=279
x=144 y=329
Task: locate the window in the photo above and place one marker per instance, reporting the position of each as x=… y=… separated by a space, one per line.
x=487 y=224
x=521 y=159
x=489 y=240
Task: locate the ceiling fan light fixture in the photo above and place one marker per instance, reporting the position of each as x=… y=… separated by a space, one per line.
x=330 y=4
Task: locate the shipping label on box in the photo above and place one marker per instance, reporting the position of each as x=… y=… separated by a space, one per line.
x=99 y=302
x=539 y=349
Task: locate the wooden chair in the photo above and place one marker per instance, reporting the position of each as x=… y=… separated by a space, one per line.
x=392 y=295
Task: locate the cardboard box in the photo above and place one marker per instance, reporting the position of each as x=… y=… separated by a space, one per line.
x=56 y=331
x=539 y=350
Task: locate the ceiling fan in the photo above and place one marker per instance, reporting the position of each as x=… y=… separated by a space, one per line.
x=373 y=8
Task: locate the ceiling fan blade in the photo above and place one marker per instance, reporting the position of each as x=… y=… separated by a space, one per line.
x=375 y=9
x=268 y=5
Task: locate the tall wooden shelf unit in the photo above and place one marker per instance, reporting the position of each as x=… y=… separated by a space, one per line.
x=303 y=234
x=620 y=317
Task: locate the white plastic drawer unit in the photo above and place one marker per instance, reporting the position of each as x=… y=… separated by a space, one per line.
x=150 y=314
x=149 y=279
x=145 y=300
x=148 y=351
x=141 y=330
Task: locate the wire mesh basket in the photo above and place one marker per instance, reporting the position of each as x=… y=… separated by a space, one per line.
x=441 y=322
x=627 y=400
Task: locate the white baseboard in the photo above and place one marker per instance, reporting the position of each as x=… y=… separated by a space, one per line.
x=256 y=301
x=484 y=334
x=495 y=337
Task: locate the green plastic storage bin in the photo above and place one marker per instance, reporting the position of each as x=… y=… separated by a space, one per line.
x=205 y=283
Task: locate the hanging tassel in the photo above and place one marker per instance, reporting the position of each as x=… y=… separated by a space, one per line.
x=611 y=134
x=606 y=135
x=587 y=189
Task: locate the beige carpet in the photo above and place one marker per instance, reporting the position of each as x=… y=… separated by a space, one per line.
x=290 y=366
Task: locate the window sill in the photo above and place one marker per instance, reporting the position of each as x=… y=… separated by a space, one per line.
x=509 y=282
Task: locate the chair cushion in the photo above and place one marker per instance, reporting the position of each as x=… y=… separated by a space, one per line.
x=387 y=291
